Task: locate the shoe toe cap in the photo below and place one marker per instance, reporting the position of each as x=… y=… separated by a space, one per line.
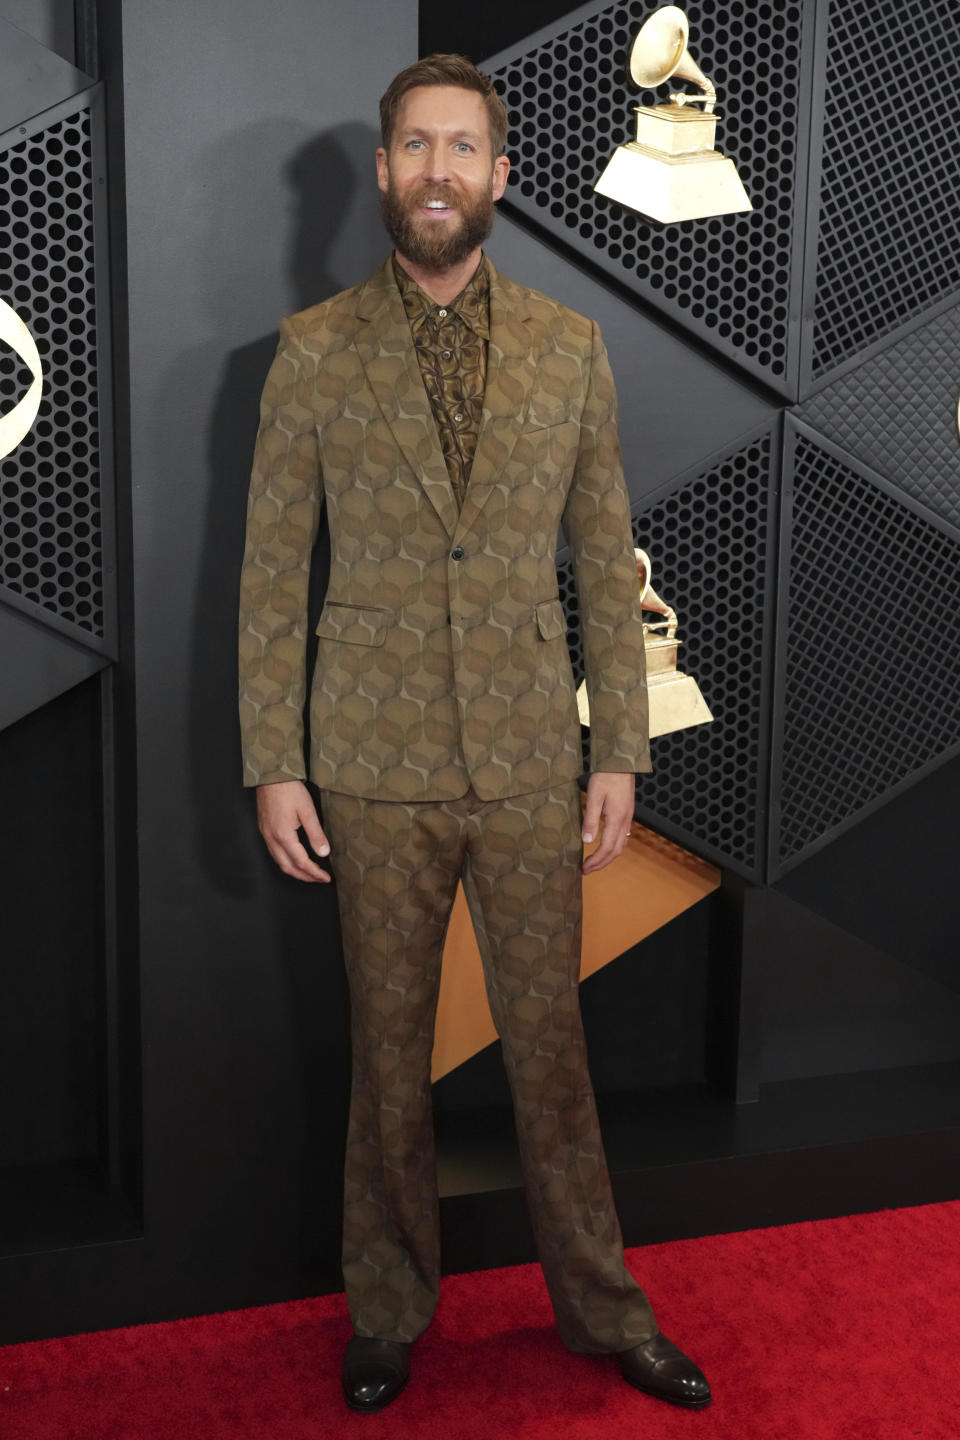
x=661 y=1369
x=370 y=1393
x=374 y=1372
x=689 y=1385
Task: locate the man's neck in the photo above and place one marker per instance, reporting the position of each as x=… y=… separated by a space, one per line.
x=442 y=285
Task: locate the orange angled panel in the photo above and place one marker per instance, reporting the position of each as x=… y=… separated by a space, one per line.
x=651 y=883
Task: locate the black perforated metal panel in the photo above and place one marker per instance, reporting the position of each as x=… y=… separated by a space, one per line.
x=870 y=687
x=708 y=541
x=889 y=232
x=730 y=278
x=898 y=413
x=50 y=494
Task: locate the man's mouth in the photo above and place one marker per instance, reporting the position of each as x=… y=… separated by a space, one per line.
x=436 y=207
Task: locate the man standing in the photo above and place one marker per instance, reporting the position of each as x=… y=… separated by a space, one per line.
x=450 y=420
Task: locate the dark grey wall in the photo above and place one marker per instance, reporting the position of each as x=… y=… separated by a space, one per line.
x=249 y=193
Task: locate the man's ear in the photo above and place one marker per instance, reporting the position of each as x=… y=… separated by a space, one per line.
x=501 y=169
x=383 y=170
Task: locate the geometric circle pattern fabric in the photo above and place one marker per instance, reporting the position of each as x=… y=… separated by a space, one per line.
x=871 y=688
x=727 y=277
x=889 y=229
x=710 y=541
x=50 y=515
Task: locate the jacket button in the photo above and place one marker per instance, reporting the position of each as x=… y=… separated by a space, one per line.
x=457 y=554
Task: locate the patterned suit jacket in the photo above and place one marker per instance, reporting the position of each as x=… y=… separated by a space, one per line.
x=442 y=658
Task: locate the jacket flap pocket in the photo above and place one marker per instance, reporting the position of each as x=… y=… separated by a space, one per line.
x=551 y=620
x=532 y=426
x=355 y=624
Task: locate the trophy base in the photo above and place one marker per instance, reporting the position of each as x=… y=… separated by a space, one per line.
x=674 y=699
x=670 y=188
x=675 y=704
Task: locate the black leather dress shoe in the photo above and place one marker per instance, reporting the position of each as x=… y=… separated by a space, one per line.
x=374 y=1372
x=658 y=1368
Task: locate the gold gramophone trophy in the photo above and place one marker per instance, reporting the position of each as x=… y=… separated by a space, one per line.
x=674 y=698
x=671 y=171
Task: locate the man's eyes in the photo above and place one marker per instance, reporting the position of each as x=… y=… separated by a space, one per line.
x=463 y=146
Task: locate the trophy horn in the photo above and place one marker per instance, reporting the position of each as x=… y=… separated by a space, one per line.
x=660 y=52
x=650 y=600
x=674 y=698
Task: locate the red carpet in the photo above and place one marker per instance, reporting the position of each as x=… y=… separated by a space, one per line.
x=834 y=1330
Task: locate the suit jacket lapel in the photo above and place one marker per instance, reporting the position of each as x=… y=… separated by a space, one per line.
x=511 y=368
x=393 y=372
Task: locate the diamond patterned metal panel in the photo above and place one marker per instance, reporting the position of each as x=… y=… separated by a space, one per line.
x=50 y=496
x=708 y=540
x=870 y=684
x=728 y=278
x=898 y=413
x=889 y=235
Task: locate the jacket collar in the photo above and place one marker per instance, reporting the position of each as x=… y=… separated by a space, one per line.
x=393 y=371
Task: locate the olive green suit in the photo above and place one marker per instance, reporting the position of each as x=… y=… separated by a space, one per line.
x=443 y=658
x=446 y=742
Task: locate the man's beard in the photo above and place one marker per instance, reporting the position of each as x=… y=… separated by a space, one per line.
x=433 y=244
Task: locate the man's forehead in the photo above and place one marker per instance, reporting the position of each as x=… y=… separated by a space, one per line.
x=449 y=107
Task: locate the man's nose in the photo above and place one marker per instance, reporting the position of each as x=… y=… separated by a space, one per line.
x=436 y=166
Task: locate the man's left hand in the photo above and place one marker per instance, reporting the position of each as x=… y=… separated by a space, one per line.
x=610 y=802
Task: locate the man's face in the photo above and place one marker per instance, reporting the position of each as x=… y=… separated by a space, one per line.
x=440 y=178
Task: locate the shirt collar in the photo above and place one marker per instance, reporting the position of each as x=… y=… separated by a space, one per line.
x=472 y=305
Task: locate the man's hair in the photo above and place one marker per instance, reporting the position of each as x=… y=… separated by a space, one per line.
x=444 y=70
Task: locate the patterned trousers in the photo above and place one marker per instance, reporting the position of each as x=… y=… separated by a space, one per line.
x=396 y=866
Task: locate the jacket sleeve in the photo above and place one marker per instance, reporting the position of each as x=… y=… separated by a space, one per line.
x=283 y=513
x=596 y=523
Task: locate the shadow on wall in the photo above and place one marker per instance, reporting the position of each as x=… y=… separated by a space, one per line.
x=334 y=238
x=287 y=222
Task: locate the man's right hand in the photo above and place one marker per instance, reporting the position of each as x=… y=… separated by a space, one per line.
x=281 y=810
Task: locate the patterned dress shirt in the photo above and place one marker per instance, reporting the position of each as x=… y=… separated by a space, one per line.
x=451 y=345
